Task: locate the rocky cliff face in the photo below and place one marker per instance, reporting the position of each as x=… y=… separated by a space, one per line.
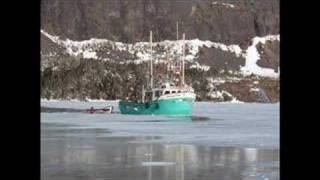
x=227 y=21
x=97 y=49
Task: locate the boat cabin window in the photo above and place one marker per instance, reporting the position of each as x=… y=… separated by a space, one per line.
x=167 y=92
x=158 y=93
x=179 y=91
x=173 y=92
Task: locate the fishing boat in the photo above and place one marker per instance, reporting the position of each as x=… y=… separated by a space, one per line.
x=169 y=98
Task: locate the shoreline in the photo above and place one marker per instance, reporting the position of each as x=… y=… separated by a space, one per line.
x=116 y=101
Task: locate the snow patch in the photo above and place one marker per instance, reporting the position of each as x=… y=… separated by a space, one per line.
x=218 y=94
x=254 y=90
x=196 y=65
x=217 y=81
x=228 y=5
x=235 y=100
x=96 y=100
x=90 y=55
x=76 y=100
x=252 y=56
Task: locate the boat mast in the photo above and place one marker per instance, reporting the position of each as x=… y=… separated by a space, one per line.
x=180 y=56
x=183 y=55
x=179 y=62
x=177 y=26
x=151 y=64
x=143 y=94
x=168 y=67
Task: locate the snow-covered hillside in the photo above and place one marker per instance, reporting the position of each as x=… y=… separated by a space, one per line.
x=88 y=48
x=140 y=51
x=100 y=50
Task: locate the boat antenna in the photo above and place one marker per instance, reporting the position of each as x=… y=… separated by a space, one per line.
x=183 y=56
x=177 y=27
x=151 y=64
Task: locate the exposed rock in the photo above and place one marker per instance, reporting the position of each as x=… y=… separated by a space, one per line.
x=220 y=60
x=269 y=54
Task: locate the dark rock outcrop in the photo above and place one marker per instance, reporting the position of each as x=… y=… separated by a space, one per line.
x=220 y=60
x=269 y=54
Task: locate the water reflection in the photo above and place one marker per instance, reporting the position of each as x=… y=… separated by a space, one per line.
x=181 y=119
x=89 y=157
x=191 y=118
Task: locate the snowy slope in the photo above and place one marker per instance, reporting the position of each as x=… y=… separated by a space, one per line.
x=140 y=51
x=252 y=56
x=88 y=48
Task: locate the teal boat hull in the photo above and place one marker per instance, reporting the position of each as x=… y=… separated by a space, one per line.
x=170 y=107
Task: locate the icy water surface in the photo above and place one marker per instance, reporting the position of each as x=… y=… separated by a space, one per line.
x=220 y=141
